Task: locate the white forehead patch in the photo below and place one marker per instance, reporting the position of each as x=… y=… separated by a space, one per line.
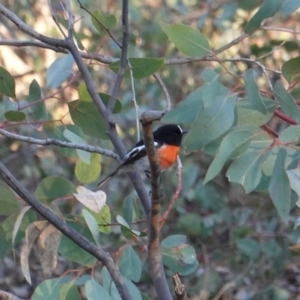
x=180 y=129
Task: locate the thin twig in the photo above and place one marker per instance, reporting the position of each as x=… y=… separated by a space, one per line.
x=72 y=234
x=280 y=29
x=55 y=20
x=49 y=141
x=136 y=107
x=164 y=88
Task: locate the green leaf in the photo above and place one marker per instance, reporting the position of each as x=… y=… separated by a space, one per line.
x=84 y=95
x=245 y=115
x=233 y=144
x=294 y=178
x=5 y=244
x=103 y=219
x=50 y=289
x=94 y=291
x=188 y=40
x=291 y=69
x=76 y=139
x=246 y=169
x=92 y=224
x=268 y=9
x=187 y=110
x=249 y=247
x=73 y=294
x=130 y=265
x=279 y=187
x=286 y=101
x=87 y=173
x=58 y=133
x=252 y=92
x=290 y=134
x=133 y=290
x=59 y=71
x=71 y=250
x=7 y=84
x=141 y=67
x=289 y=6
x=109 y=21
x=87 y=117
x=126 y=230
x=54 y=187
x=211 y=123
x=173 y=241
x=38 y=110
x=8 y=200
x=14 y=115
x=128 y=209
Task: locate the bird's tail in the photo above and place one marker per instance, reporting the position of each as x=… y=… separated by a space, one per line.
x=107 y=178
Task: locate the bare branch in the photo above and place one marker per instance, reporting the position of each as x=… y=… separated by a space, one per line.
x=179 y=288
x=162 y=85
x=154 y=251
x=94 y=56
x=58 y=223
x=280 y=29
x=59 y=143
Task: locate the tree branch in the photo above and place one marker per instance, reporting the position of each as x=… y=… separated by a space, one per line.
x=59 y=143
x=155 y=256
x=58 y=223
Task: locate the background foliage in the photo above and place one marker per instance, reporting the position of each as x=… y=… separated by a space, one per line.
x=230 y=231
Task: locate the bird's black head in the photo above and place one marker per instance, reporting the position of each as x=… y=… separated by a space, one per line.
x=170 y=134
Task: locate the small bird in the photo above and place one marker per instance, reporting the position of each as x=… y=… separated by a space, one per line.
x=167 y=141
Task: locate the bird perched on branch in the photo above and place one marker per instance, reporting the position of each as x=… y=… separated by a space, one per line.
x=167 y=141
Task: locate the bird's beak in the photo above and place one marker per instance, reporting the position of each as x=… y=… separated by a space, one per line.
x=184 y=132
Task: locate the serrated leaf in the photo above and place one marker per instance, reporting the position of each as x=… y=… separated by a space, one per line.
x=76 y=139
x=268 y=9
x=8 y=200
x=291 y=69
x=130 y=265
x=87 y=173
x=252 y=92
x=54 y=187
x=289 y=6
x=59 y=71
x=234 y=141
x=7 y=84
x=245 y=115
x=38 y=110
x=15 y=116
x=94 y=201
x=187 y=110
x=86 y=116
x=286 y=101
x=92 y=224
x=141 y=67
x=188 y=40
x=211 y=123
x=279 y=187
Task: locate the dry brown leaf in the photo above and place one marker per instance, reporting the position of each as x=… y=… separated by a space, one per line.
x=92 y=200
x=47 y=247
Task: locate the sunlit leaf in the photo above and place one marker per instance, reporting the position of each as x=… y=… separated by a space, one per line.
x=87 y=173
x=188 y=40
